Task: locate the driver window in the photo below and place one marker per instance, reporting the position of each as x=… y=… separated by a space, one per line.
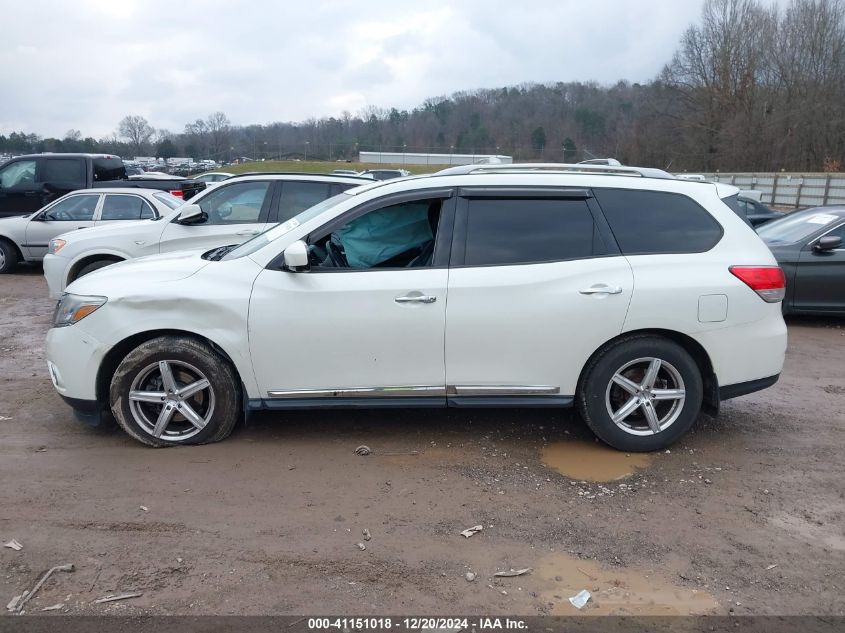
x=398 y=236
x=74 y=209
x=20 y=173
x=235 y=204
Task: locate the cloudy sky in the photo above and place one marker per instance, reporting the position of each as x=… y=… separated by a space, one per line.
x=87 y=63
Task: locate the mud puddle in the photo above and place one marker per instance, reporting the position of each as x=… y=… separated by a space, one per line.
x=618 y=591
x=591 y=461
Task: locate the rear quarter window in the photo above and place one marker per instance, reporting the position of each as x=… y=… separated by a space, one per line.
x=109 y=169
x=655 y=222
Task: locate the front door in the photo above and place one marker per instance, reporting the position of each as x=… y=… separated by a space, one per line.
x=68 y=214
x=367 y=321
x=233 y=214
x=818 y=280
x=536 y=285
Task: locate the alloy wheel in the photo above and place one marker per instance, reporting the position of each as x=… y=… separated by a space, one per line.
x=171 y=400
x=645 y=396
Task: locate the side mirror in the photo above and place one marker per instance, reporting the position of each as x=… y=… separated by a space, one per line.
x=296 y=256
x=191 y=214
x=827 y=243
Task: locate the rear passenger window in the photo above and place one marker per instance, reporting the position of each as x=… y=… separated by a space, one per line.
x=69 y=171
x=653 y=222
x=298 y=196
x=109 y=169
x=523 y=231
x=118 y=207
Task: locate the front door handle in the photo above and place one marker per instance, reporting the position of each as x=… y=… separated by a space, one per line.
x=415 y=299
x=601 y=289
x=248 y=232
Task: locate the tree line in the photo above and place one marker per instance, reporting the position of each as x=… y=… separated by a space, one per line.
x=751 y=87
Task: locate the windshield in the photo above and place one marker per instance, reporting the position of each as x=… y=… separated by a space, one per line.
x=795 y=227
x=168 y=200
x=270 y=235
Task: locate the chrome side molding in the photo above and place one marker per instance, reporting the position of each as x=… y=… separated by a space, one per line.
x=420 y=390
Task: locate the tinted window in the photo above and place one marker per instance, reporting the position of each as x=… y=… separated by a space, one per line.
x=68 y=170
x=298 y=196
x=118 y=207
x=523 y=231
x=18 y=173
x=235 y=204
x=110 y=169
x=649 y=222
x=74 y=209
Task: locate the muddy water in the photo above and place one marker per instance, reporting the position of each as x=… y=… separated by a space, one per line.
x=591 y=461
x=617 y=591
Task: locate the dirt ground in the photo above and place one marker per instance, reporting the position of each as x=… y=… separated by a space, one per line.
x=745 y=515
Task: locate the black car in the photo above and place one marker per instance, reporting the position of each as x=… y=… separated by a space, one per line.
x=756 y=212
x=808 y=246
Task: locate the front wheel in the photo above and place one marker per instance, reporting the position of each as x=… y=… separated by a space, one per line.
x=641 y=394
x=175 y=390
x=8 y=257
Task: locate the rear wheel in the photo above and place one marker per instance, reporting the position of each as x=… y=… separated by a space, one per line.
x=175 y=390
x=641 y=394
x=8 y=257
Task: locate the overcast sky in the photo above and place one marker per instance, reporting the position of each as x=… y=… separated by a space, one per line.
x=87 y=63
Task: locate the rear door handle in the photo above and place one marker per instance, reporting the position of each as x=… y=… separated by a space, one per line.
x=601 y=289
x=415 y=299
x=248 y=232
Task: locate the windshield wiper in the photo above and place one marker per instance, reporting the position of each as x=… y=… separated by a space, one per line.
x=216 y=254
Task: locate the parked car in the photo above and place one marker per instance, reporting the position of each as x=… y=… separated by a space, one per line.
x=213 y=177
x=756 y=212
x=384 y=174
x=230 y=213
x=28 y=183
x=26 y=237
x=639 y=300
x=808 y=246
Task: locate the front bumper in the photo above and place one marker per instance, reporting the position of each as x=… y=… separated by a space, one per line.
x=73 y=359
x=90 y=412
x=55 y=267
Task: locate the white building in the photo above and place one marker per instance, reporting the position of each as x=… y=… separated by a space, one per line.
x=402 y=158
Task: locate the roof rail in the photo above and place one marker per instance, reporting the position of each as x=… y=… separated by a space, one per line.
x=560 y=168
x=301 y=173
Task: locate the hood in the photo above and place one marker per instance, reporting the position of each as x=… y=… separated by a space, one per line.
x=124 y=278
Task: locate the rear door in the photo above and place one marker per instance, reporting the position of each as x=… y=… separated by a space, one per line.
x=233 y=213
x=59 y=176
x=536 y=283
x=73 y=212
x=820 y=277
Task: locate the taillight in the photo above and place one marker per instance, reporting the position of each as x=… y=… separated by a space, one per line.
x=767 y=281
x=176 y=192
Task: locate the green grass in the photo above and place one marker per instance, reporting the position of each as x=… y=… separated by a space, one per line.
x=323 y=167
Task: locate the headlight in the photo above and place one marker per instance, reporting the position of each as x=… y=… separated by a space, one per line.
x=73 y=308
x=56 y=245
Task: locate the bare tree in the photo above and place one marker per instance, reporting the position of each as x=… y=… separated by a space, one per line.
x=137 y=131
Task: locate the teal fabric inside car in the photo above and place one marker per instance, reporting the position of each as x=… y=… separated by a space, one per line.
x=380 y=235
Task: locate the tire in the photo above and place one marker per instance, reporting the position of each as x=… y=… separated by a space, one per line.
x=674 y=397
x=8 y=257
x=96 y=265
x=215 y=407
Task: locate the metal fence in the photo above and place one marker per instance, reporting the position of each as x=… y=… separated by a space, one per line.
x=795 y=190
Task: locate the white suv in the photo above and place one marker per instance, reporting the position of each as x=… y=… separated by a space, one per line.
x=634 y=296
x=231 y=212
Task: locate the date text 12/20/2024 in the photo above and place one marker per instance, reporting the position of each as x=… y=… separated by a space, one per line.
x=416 y=624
